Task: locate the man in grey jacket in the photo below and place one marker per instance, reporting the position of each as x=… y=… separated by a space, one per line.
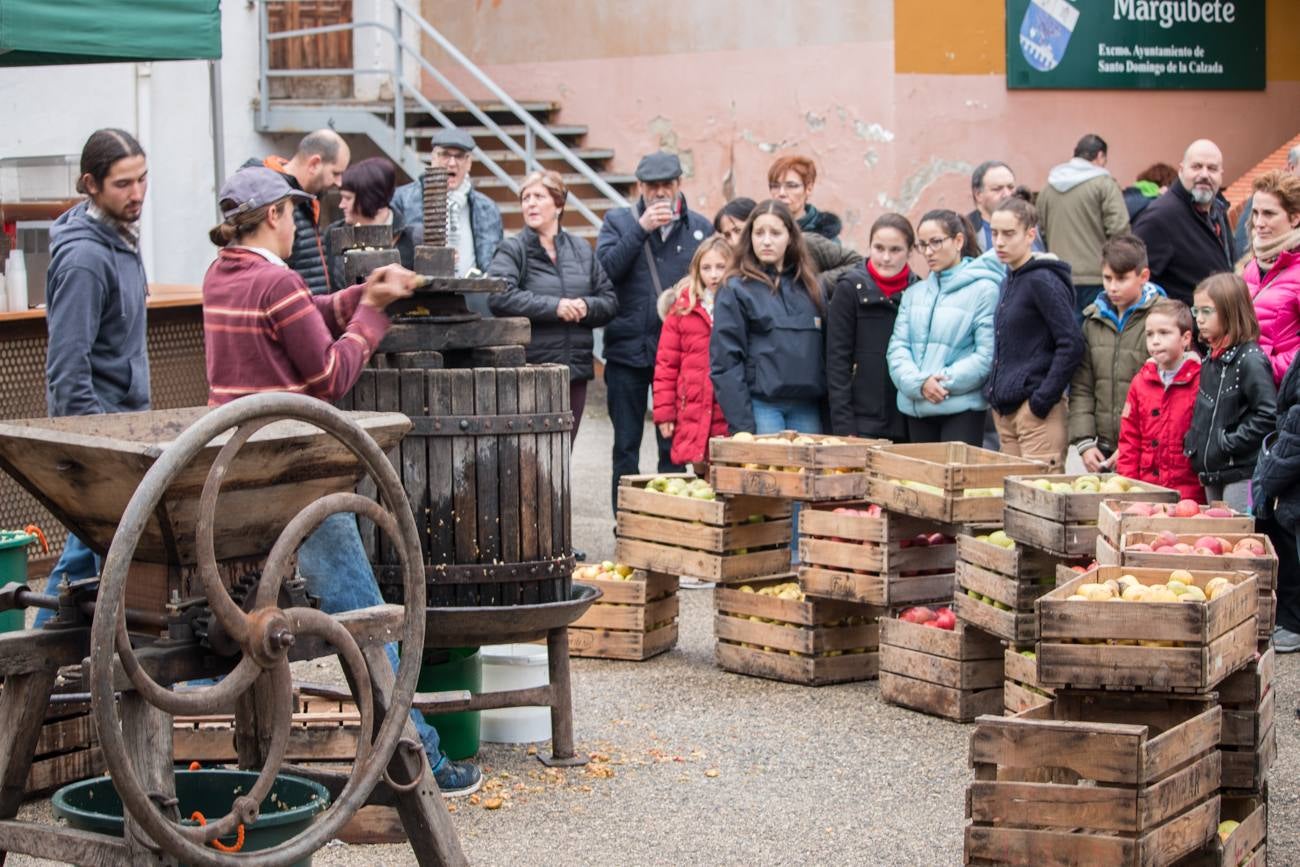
x=1079 y=210
x=97 y=359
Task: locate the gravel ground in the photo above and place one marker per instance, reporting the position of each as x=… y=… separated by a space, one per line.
x=699 y=766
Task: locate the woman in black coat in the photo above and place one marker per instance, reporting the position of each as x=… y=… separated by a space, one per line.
x=1276 y=489
x=859 y=322
x=553 y=279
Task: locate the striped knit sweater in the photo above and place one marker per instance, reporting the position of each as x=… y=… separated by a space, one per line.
x=264 y=332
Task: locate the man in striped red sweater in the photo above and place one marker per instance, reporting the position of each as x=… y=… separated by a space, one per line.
x=265 y=332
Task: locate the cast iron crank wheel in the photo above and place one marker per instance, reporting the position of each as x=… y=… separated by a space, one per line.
x=264 y=635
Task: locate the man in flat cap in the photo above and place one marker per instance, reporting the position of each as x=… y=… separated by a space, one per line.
x=473 y=221
x=645 y=250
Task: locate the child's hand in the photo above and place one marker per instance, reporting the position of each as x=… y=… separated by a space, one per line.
x=666 y=429
x=932 y=389
x=1093 y=460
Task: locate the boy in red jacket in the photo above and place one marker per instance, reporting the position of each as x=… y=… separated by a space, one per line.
x=1159 y=408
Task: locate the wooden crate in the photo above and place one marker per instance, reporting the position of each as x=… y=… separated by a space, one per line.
x=1246 y=845
x=1216 y=638
x=1113 y=523
x=1066 y=523
x=67 y=751
x=953 y=674
x=813 y=642
x=1249 y=740
x=1264 y=567
x=720 y=568
x=1094 y=779
x=634 y=620
x=1015 y=577
x=1020 y=690
x=939 y=477
x=872 y=560
x=827 y=468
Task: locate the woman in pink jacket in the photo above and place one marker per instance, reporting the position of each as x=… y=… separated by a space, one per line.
x=1273 y=271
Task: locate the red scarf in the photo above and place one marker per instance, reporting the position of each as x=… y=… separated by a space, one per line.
x=891 y=286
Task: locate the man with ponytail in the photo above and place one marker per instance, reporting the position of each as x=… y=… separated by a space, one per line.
x=97 y=358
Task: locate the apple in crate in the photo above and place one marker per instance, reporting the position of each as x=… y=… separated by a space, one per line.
x=1248 y=547
x=917 y=614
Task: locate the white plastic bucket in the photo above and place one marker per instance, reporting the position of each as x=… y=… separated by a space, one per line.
x=514 y=666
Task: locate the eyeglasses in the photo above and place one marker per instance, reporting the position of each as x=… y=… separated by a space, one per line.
x=788 y=186
x=457 y=155
x=1198 y=312
x=934 y=244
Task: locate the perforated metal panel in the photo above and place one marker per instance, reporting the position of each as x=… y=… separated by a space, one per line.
x=178 y=378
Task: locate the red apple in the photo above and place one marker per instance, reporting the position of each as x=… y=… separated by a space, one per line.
x=937 y=539
x=1139 y=509
x=1210 y=542
x=932 y=623
x=873 y=511
x=921 y=540
x=1248 y=547
x=1136 y=546
x=1186 y=509
x=1167 y=549
x=1218 y=512
x=916 y=614
x=946 y=619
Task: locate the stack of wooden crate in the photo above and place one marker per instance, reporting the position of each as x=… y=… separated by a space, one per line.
x=769 y=628
x=1124 y=764
x=1063 y=520
x=635 y=619
x=810 y=634
x=949 y=486
x=1120 y=530
x=67 y=750
x=724 y=539
x=1249 y=741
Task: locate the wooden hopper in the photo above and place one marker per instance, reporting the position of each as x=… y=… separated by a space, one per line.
x=84 y=469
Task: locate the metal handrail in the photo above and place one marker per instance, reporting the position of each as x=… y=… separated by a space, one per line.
x=533 y=128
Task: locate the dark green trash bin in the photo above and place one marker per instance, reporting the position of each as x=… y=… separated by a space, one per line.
x=458 y=668
x=13 y=569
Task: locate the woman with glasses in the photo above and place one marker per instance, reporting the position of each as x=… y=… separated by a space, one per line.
x=941 y=350
x=555 y=280
x=790 y=181
x=766 y=354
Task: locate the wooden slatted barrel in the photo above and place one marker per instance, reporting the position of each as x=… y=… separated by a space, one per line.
x=486 y=468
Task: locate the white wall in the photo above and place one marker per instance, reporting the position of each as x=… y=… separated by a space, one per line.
x=51 y=110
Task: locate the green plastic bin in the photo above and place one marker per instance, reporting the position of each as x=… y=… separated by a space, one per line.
x=288 y=810
x=457 y=668
x=13 y=568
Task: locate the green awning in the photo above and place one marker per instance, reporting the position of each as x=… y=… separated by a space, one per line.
x=44 y=32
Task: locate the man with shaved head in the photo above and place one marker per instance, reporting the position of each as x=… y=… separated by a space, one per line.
x=315 y=167
x=1186 y=230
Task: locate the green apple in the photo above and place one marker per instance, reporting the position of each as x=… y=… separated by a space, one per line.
x=1042 y=484
x=755 y=519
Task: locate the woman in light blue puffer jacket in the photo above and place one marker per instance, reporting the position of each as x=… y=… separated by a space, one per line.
x=942 y=347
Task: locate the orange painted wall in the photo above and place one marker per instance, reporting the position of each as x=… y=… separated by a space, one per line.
x=897 y=101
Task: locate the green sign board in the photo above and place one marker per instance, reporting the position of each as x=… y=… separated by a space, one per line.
x=1135 y=44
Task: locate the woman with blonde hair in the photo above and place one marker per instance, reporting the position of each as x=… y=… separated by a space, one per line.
x=684 y=406
x=1272 y=271
x=555 y=280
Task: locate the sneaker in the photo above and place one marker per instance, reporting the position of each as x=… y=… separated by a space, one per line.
x=1285 y=641
x=456 y=779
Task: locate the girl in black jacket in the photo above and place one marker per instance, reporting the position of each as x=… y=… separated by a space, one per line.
x=553 y=279
x=859 y=323
x=767 y=354
x=1236 y=402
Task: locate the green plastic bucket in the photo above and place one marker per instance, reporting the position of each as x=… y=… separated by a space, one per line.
x=289 y=808
x=457 y=668
x=13 y=568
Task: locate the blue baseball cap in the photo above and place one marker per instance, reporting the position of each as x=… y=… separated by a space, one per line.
x=253 y=187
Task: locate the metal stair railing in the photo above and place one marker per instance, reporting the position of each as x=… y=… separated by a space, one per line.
x=399 y=150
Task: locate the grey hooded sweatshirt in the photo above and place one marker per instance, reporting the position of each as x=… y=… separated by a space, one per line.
x=1079 y=209
x=97 y=360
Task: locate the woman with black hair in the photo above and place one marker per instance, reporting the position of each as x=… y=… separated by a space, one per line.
x=766 y=355
x=364 y=193
x=941 y=350
x=859 y=323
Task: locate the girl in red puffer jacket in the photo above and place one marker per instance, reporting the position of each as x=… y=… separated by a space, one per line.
x=684 y=406
x=1158 y=411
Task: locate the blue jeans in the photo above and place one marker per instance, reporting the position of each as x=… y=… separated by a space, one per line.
x=334 y=564
x=627 y=392
x=773 y=416
x=76 y=563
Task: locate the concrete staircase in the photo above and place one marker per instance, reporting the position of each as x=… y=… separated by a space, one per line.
x=375 y=120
